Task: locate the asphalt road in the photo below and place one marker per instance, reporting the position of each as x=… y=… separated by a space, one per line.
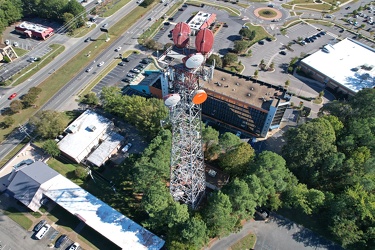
x=278 y=234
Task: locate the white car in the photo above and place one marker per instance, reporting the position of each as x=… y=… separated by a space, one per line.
x=75 y=246
x=100 y=64
x=136 y=70
x=15 y=44
x=88 y=69
x=126 y=148
x=7 y=42
x=118 y=49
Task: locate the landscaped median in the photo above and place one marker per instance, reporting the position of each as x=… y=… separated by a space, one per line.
x=247 y=242
x=61 y=76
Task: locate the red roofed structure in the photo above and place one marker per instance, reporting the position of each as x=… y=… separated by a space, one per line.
x=34 y=30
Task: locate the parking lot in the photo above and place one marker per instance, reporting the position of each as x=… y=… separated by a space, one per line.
x=115 y=77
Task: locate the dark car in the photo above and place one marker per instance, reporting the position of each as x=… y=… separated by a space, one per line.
x=307 y=40
x=61 y=240
x=225 y=25
x=282 y=53
x=322 y=33
x=88 y=39
x=126 y=79
x=318 y=35
x=146 y=61
x=269 y=39
x=261 y=42
x=125 y=59
x=39 y=225
x=314 y=37
x=170 y=19
x=141 y=66
x=181 y=9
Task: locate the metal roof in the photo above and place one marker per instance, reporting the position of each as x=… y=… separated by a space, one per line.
x=101 y=217
x=104 y=151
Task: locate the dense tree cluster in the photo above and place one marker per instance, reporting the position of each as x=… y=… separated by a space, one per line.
x=145 y=114
x=335 y=154
x=58 y=10
x=48 y=124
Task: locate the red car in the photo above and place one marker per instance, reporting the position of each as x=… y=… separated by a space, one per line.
x=12 y=96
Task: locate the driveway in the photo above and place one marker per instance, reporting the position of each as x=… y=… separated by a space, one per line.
x=280 y=234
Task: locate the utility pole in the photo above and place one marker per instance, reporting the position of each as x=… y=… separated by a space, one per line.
x=23 y=129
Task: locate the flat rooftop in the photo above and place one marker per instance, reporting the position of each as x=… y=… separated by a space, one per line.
x=348 y=62
x=200 y=18
x=34 y=27
x=242 y=90
x=86 y=130
x=101 y=217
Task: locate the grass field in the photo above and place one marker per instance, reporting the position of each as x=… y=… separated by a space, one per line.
x=318 y=7
x=114 y=6
x=231 y=10
x=19 y=218
x=247 y=242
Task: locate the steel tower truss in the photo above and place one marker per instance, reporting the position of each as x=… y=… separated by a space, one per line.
x=188 y=181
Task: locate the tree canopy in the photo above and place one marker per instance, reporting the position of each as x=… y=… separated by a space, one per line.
x=48 y=124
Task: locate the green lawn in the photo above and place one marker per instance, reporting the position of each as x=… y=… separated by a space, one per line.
x=19 y=218
x=64 y=168
x=318 y=7
x=247 y=242
x=114 y=6
x=231 y=10
x=20 y=52
x=82 y=31
x=260 y=33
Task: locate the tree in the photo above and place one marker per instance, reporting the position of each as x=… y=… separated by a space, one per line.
x=217 y=59
x=299 y=196
x=241 y=46
x=245 y=32
x=210 y=136
x=80 y=172
x=48 y=123
x=156 y=199
x=256 y=74
x=272 y=66
x=229 y=58
x=240 y=196
x=51 y=148
x=8 y=121
x=218 y=215
x=287 y=83
x=91 y=99
x=228 y=141
x=236 y=160
x=29 y=99
x=307 y=147
x=15 y=106
x=194 y=232
x=35 y=91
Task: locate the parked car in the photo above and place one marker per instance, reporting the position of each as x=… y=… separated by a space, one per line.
x=130 y=75
x=122 y=64
x=75 y=246
x=61 y=240
x=7 y=42
x=126 y=59
x=12 y=96
x=135 y=70
x=283 y=52
x=118 y=49
x=89 y=69
x=100 y=64
x=126 y=79
x=126 y=148
x=15 y=44
x=39 y=225
x=88 y=39
x=32 y=59
x=261 y=42
x=40 y=234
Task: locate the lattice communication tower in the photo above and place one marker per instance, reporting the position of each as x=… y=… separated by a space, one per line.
x=188 y=182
